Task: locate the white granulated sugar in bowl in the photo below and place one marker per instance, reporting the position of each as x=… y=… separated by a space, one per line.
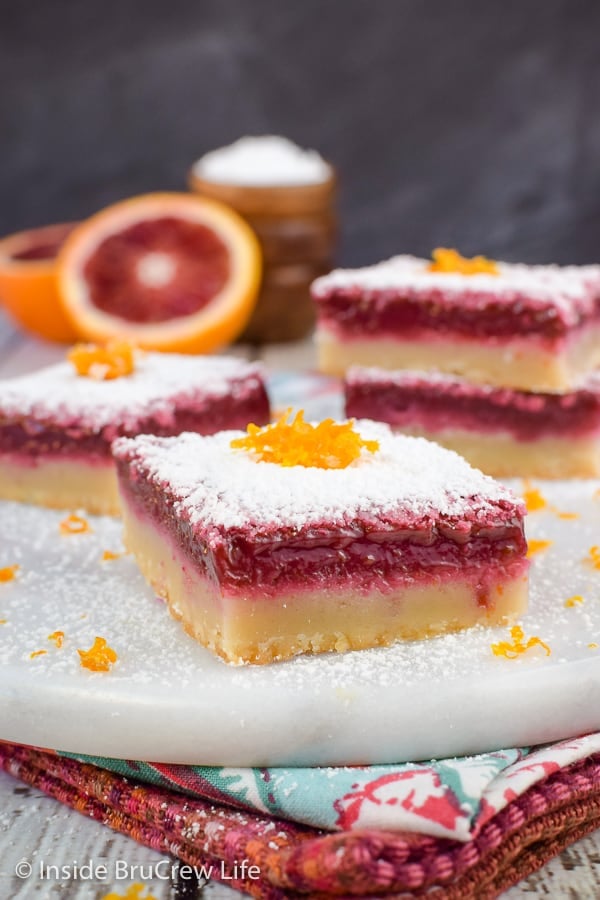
x=268 y=160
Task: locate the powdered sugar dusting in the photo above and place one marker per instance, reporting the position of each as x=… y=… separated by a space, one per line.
x=406 y=480
x=59 y=395
x=263 y=161
x=572 y=290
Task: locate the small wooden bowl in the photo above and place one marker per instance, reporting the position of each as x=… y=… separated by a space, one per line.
x=269 y=200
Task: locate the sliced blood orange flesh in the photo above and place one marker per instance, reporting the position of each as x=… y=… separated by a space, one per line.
x=28 y=283
x=157 y=270
x=169 y=272
x=36 y=244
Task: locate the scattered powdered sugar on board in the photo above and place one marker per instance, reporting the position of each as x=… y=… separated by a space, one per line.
x=572 y=290
x=263 y=161
x=58 y=394
x=64 y=585
x=406 y=479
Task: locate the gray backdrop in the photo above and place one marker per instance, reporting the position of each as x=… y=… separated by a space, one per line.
x=454 y=122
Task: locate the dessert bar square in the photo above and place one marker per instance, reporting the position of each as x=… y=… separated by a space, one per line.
x=263 y=560
x=534 y=328
x=56 y=426
x=504 y=432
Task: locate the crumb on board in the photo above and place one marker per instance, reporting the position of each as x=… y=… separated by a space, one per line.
x=36 y=653
x=575 y=600
x=518 y=645
x=57 y=637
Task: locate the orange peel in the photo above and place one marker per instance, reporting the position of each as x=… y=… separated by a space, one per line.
x=109 y=555
x=29 y=285
x=327 y=445
x=533 y=498
x=517 y=645
x=8 y=573
x=537 y=546
x=114 y=360
x=74 y=524
x=451 y=261
x=99 y=658
x=594 y=556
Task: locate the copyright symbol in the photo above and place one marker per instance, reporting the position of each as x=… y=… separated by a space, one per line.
x=23 y=869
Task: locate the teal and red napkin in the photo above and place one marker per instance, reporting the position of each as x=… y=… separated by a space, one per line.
x=453 y=829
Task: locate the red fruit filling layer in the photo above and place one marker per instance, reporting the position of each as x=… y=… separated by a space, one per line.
x=362 y=314
x=156 y=270
x=32 y=437
x=250 y=561
x=442 y=404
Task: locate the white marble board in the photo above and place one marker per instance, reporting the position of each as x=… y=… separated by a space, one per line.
x=167 y=699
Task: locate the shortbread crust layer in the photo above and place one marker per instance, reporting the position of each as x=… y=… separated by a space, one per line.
x=522 y=365
x=261 y=629
x=61 y=484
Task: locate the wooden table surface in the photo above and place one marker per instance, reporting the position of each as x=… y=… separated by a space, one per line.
x=35 y=828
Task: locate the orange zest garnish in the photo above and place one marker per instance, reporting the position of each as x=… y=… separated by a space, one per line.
x=37 y=653
x=594 y=556
x=9 y=573
x=110 y=554
x=3 y=621
x=114 y=360
x=328 y=445
x=533 y=498
x=575 y=600
x=593 y=646
x=451 y=261
x=99 y=658
x=58 y=638
x=517 y=645
x=74 y=525
x=534 y=547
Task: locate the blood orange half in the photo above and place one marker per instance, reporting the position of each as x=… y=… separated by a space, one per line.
x=167 y=271
x=28 y=286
